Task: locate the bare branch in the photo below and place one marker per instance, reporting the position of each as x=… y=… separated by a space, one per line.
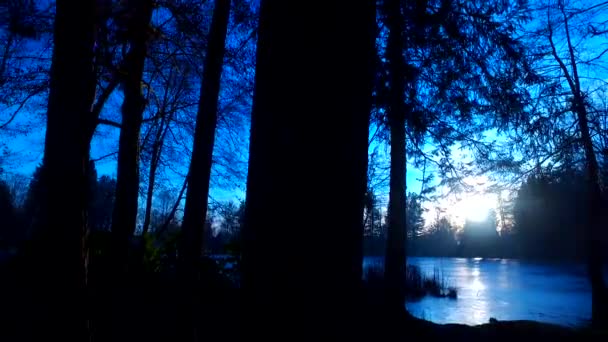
x=109 y=123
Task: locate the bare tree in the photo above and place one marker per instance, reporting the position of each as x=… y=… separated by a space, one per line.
x=560 y=35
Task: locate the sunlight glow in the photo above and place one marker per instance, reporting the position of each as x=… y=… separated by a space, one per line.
x=475 y=207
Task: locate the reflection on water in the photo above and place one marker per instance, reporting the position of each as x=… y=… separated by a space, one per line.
x=505 y=290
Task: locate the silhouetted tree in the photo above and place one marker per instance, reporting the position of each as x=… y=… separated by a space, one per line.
x=578 y=106
x=33 y=201
x=415 y=220
x=61 y=228
x=100 y=216
x=549 y=214
x=397 y=114
x=309 y=131
x=137 y=15
x=199 y=174
x=457 y=62
x=24 y=61
x=438 y=240
x=558 y=130
x=10 y=231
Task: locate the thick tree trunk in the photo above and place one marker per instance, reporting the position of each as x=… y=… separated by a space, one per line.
x=124 y=216
x=308 y=147
x=599 y=307
x=396 y=239
x=61 y=265
x=199 y=174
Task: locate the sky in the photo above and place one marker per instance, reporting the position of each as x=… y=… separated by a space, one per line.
x=26 y=150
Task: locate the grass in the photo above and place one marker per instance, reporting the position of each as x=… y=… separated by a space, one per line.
x=417 y=284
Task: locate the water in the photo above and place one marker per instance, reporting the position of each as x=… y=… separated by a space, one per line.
x=505 y=289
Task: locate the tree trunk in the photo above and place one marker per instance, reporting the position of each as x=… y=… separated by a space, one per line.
x=396 y=239
x=156 y=153
x=124 y=216
x=599 y=307
x=308 y=147
x=61 y=265
x=599 y=293
x=199 y=174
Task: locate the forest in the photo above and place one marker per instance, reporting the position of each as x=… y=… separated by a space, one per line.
x=188 y=170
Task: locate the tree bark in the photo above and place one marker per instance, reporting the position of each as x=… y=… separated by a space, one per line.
x=61 y=265
x=199 y=174
x=396 y=238
x=124 y=216
x=309 y=134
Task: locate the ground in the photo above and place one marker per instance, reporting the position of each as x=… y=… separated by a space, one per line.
x=149 y=310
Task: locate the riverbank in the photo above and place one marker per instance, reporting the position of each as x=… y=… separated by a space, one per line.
x=149 y=309
x=405 y=326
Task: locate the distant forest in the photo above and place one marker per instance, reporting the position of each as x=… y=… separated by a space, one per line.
x=543 y=220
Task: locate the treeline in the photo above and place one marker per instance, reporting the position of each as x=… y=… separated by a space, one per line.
x=19 y=205
x=545 y=219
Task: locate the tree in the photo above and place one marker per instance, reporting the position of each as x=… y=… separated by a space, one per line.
x=61 y=228
x=397 y=112
x=549 y=214
x=450 y=65
x=578 y=106
x=199 y=174
x=33 y=201
x=439 y=239
x=561 y=130
x=124 y=216
x=10 y=225
x=100 y=217
x=309 y=131
x=23 y=71
x=231 y=218
x=415 y=220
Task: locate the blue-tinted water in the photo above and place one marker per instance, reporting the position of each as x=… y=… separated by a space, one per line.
x=505 y=289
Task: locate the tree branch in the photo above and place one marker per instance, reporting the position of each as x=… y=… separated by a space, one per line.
x=109 y=123
x=556 y=56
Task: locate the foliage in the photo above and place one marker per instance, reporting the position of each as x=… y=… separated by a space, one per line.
x=152 y=254
x=467 y=72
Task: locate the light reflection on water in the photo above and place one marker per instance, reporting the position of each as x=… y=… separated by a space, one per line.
x=505 y=290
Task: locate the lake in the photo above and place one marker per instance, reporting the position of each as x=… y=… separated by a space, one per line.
x=505 y=289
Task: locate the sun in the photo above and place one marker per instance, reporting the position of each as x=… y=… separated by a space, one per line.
x=474 y=207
